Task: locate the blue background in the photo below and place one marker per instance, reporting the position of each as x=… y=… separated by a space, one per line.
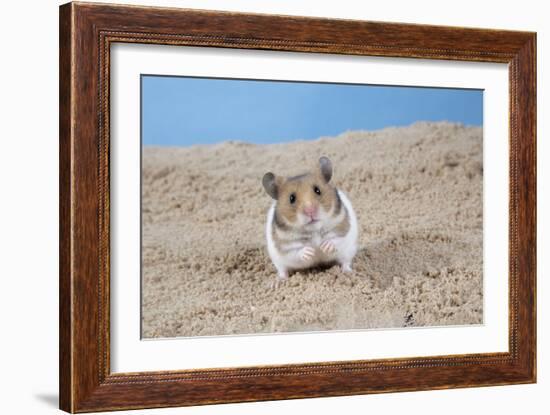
x=182 y=111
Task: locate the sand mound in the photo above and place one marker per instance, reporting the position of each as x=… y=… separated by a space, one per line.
x=417 y=192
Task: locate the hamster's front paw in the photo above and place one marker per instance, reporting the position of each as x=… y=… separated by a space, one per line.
x=328 y=247
x=307 y=253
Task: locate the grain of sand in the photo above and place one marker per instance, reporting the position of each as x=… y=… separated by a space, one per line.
x=417 y=192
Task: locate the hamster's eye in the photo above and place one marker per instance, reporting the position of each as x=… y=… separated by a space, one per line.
x=292 y=198
x=317 y=190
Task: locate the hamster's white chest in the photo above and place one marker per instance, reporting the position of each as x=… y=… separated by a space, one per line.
x=315 y=240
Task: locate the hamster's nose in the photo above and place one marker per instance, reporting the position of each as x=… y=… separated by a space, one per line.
x=310 y=210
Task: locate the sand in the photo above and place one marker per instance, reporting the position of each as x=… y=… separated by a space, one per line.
x=417 y=192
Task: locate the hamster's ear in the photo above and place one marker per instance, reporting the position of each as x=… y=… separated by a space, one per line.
x=325 y=166
x=271 y=185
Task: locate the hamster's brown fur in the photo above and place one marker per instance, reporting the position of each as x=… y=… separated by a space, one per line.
x=303 y=188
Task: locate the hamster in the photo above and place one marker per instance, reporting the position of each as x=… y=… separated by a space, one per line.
x=311 y=222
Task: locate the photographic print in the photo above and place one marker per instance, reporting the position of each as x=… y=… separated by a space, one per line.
x=259 y=207
x=282 y=206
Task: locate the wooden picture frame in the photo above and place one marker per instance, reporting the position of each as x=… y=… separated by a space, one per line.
x=86 y=33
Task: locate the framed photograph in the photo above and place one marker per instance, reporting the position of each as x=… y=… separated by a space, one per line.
x=258 y=207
